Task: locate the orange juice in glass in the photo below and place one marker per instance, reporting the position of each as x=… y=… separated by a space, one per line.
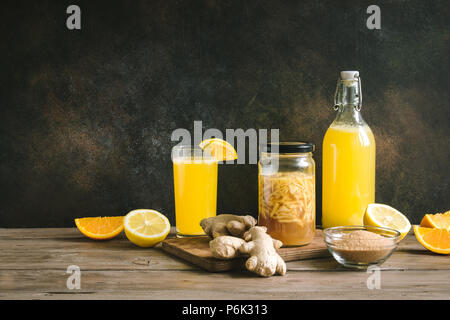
x=195 y=182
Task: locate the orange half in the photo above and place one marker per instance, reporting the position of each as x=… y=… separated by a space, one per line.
x=438 y=220
x=100 y=228
x=433 y=239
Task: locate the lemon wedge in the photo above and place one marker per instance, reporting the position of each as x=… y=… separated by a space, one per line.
x=220 y=149
x=145 y=227
x=382 y=215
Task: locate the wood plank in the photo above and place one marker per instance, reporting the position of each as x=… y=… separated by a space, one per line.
x=10 y=234
x=156 y=259
x=33 y=265
x=133 y=259
x=399 y=261
x=49 y=249
x=51 y=284
x=119 y=254
x=196 y=251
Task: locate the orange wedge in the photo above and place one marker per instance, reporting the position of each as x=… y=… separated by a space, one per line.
x=100 y=228
x=220 y=149
x=433 y=239
x=438 y=220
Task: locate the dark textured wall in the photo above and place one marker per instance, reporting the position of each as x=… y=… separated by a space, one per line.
x=86 y=116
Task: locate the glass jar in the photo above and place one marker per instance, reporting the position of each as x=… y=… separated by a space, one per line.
x=287 y=192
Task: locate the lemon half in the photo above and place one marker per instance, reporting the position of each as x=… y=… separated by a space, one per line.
x=382 y=215
x=145 y=227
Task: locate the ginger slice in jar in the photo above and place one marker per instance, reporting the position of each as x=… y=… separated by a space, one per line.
x=287 y=206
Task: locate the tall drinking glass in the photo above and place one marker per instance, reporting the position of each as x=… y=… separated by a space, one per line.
x=195 y=182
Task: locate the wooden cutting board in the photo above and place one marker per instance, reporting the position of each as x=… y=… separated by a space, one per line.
x=196 y=250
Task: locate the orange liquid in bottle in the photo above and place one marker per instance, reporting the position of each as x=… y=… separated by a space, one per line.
x=348 y=174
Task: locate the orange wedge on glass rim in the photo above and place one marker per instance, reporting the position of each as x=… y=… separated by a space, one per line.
x=220 y=149
x=438 y=220
x=100 y=228
x=433 y=239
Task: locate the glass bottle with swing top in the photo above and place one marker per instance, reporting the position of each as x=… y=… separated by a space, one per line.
x=348 y=176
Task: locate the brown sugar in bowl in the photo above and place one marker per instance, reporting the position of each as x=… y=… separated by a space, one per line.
x=361 y=246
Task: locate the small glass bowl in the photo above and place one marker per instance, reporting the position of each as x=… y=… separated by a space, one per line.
x=357 y=253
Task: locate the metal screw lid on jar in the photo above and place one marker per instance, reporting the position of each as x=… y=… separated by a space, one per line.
x=288 y=147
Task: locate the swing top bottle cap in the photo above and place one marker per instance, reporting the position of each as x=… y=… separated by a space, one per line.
x=349 y=75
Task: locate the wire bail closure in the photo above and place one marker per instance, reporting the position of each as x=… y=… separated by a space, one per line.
x=337 y=105
x=358 y=107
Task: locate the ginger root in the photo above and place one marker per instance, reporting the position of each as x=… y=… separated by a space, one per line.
x=225 y=247
x=227 y=225
x=264 y=259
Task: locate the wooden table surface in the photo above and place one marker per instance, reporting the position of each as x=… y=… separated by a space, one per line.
x=33 y=265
